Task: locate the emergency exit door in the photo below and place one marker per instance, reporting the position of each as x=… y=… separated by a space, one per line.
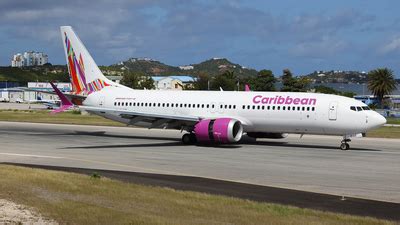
x=333 y=110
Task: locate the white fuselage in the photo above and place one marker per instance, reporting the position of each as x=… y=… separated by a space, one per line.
x=311 y=113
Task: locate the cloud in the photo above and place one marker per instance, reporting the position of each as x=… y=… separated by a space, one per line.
x=393 y=46
x=186 y=31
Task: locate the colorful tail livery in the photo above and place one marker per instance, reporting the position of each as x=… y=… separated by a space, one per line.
x=85 y=75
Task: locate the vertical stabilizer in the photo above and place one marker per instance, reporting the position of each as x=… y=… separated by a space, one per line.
x=85 y=75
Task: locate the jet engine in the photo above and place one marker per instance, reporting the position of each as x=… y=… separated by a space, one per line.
x=267 y=135
x=221 y=130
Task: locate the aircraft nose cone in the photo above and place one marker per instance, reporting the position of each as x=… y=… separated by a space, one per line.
x=377 y=121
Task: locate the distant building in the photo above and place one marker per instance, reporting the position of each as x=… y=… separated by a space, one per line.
x=186 y=67
x=172 y=82
x=116 y=79
x=29 y=59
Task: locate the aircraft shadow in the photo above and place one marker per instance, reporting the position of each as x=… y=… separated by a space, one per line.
x=177 y=142
x=167 y=144
x=289 y=145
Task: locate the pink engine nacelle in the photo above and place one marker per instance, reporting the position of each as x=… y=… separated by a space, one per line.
x=221 y=130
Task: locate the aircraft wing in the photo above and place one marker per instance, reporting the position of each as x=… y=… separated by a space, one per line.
x=156 y=120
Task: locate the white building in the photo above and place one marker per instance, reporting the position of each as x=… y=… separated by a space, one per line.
x=172 y=82
x=186 y=67
x=29 y=59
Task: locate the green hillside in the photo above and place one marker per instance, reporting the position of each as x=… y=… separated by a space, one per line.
x=36 y=73
x=146 y=66
x=217 y=66
x=212 y=67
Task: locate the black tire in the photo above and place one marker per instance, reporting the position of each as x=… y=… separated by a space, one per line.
x=193 y=139
x=344 y=146
x=186 y=139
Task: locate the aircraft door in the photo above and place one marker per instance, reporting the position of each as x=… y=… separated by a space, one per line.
x=333 y=110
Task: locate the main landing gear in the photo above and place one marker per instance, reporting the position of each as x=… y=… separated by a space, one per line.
x=344 y=145
x=189 y=138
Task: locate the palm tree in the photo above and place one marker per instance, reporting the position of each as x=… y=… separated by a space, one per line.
x=381 y=82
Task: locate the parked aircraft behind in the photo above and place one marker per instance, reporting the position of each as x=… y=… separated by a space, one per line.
x=213 y=116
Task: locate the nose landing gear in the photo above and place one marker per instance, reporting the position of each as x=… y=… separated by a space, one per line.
x=344 y=145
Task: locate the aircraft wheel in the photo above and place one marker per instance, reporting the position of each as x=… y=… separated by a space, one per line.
x=186 y=139
x=193 y=138
x=344 y=146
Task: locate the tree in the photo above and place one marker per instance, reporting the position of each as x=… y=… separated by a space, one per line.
x=146 y=83
x=264 y=81
x=329 y=90
x=325 y=90
x=287 y=80
x=292 y=84
x=137 y=80
x=202 y=81
x=226 y=81
x=381 y=82
x=131 y=79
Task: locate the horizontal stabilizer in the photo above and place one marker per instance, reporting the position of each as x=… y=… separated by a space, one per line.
x=65 y=103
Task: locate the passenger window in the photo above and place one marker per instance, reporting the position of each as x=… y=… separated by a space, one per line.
x=243 y=107
x=254 y=107
x=273 y=107
x=284 y=107
x=230 y=106
x=119 y=103
x=212 y=106
x=353 y=108
x=208 y=106
x=313 y=109
x=198 y=105
x=359 y=108
x=234 y=106
x=298 y=108
x=365 y=108
x=202 y=105
x=279 y=108
x=303 y=108
x=308 y=108
x=262 y=107
x=115 y=103
x=269 y=107
x=248 y=107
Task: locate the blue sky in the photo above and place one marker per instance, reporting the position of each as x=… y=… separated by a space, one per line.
x=302 y=35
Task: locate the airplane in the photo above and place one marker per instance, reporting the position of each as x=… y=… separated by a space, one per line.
x=49 y=103
x=212 y=117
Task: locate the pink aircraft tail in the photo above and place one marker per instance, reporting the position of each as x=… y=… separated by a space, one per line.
x=246 y=87
x=65 y=102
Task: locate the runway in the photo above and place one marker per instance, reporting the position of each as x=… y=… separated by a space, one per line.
x=312 y=163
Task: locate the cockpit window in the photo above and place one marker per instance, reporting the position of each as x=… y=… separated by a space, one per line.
x=353 y=108
x=366 y=108
x=359 y=108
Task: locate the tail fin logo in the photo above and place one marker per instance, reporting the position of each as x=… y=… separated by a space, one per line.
x=77 y=73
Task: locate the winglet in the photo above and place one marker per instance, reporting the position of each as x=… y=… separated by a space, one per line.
x=246 y=87
x=65 y=102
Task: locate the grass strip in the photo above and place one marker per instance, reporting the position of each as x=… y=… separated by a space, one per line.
x=71 y=198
